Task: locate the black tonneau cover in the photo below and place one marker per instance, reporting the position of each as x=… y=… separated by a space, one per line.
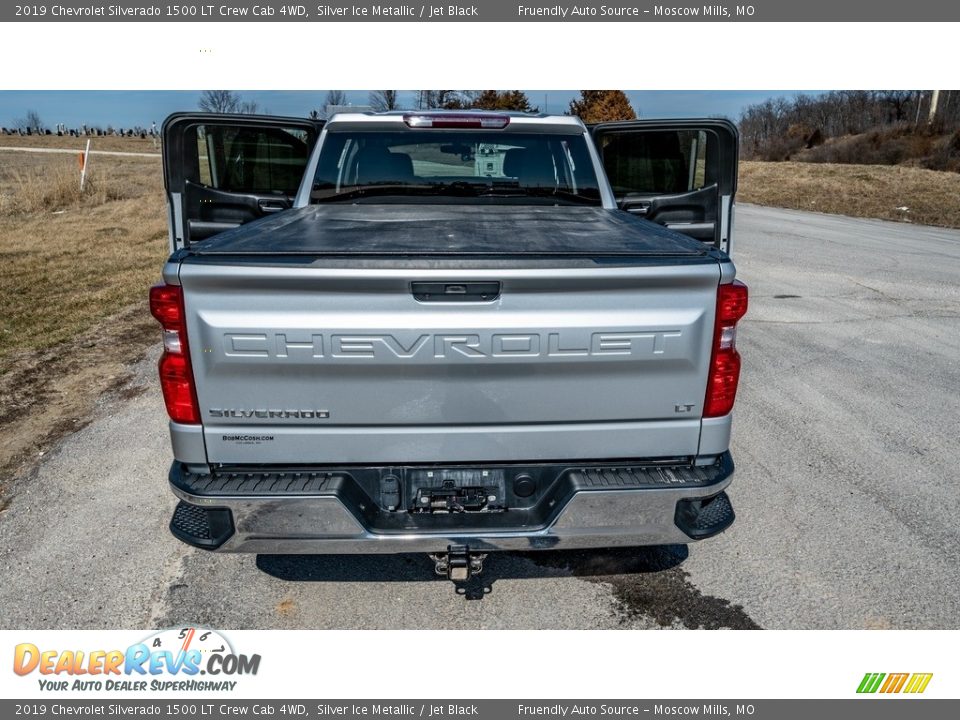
x=343 y=230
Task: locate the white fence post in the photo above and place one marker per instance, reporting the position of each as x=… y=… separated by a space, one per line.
x=83 y=170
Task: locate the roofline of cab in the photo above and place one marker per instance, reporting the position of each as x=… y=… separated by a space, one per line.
x=397 y=117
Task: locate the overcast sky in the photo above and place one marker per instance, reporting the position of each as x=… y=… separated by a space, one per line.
x=142 y=107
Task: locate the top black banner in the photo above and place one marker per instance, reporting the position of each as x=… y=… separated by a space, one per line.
x=485 y=11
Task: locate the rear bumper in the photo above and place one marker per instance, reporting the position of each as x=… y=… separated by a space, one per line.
x=321 y=510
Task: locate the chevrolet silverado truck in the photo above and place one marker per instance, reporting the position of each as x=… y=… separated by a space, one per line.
x=448 y=332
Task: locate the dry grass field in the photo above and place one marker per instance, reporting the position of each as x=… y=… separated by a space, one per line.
x=77 y=266
x=73 y=258
x=110 y=144
x=76 y=269
x=906 y=194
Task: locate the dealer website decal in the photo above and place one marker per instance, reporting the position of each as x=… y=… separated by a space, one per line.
x=913 y=683
x=168 y=660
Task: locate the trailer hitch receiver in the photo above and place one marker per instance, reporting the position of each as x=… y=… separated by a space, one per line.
x=458 y=563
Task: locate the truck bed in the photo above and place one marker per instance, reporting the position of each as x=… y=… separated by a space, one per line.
x=361 y=230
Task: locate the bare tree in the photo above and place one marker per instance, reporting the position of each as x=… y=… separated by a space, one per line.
x=335 y=97
x=446 y=99
x=219 y=101
x=31 y=121
x=427 y=99
x=383 y=100
x=778 y=128
x=897 y=102
x=228 y=101
x=474 y=99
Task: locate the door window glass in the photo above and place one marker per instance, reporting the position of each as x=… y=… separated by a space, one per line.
x=257 y=160
x=656 y=162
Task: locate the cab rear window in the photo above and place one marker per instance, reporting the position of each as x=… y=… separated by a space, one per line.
x=459 y=165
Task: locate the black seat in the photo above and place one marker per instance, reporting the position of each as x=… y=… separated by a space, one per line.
x=512 y=160
x=377 y=165
x=650 y=162
x=532 y=166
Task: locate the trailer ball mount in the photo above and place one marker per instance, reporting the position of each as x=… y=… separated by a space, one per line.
x=458 y=563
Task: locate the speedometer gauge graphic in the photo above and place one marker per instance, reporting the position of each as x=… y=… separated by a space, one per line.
x=183 y=639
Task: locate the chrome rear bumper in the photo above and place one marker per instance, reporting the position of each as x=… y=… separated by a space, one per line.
x=590 y=515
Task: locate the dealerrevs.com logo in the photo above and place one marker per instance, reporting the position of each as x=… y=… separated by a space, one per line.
x=892 y=683
x=173 y=659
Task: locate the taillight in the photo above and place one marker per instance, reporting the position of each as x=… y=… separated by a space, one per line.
x=176 y=375
x=493 y=121
x=165 y=303
x=724 y=372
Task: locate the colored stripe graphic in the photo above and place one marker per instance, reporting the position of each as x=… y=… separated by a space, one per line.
x=918 y=682
x=894 y=683
x=870 y=683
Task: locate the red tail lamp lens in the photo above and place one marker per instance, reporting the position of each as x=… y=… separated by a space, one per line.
x=724 y=373
x=176 y=375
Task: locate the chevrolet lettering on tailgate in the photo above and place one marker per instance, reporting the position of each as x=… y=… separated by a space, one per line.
x=446 y=346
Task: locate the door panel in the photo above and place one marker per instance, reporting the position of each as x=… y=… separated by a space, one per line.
x=679 y=173
x=222 y=171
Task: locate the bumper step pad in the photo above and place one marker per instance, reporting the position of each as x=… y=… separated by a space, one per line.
x=705 y=517
x=206 y=528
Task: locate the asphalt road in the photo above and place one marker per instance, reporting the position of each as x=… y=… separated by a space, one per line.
x=847 y=442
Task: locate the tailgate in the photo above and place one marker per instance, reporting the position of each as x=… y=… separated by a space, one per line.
x=297 y=364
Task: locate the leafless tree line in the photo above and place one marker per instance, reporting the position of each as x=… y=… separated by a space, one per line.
x=777 y=126
x=226 y=101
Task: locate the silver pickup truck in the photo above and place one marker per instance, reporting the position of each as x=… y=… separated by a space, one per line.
x=448 y=332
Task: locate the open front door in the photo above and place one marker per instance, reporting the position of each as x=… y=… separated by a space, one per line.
x=679 y=173
x=221 y=171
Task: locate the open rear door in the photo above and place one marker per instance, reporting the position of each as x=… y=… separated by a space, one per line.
x=679 y=173
x=221 y=171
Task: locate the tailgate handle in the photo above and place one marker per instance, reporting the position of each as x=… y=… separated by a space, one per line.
x=455 y=291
